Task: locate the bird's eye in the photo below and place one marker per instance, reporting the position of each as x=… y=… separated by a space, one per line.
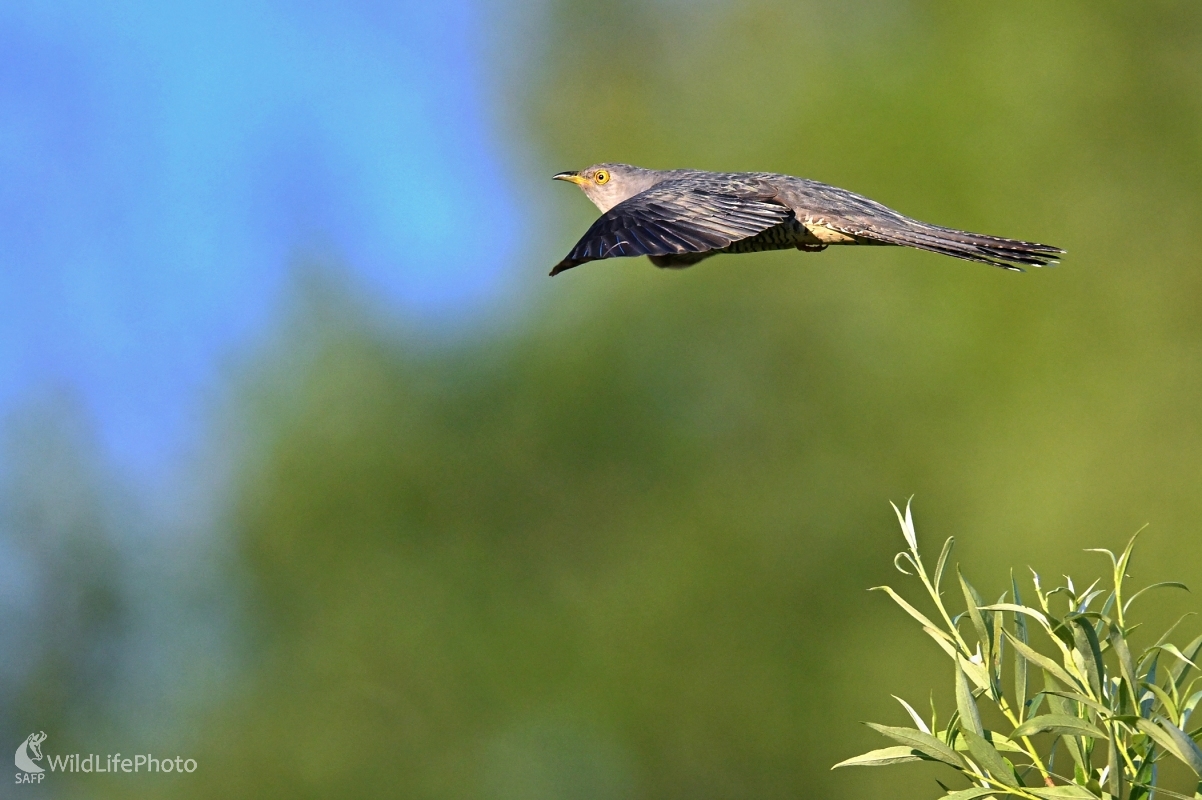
x=601 y=177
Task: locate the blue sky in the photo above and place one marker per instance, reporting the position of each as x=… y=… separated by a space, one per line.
x=162 y=165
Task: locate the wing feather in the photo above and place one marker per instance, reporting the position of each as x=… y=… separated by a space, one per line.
x=690 y=215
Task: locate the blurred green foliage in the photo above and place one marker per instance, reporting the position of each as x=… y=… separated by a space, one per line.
x=620 y=548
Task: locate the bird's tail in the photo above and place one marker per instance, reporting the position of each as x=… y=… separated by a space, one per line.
x=1011 y=254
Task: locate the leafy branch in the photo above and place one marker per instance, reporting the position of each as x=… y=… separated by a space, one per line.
x=1115 y=715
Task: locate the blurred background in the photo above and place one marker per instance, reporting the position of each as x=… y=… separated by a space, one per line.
x=309 y=472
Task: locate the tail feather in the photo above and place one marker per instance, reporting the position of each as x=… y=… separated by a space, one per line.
x=1011 y=254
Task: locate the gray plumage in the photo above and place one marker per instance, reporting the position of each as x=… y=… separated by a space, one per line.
x=679 y=217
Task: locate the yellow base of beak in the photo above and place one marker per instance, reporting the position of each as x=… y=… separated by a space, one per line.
x=570 y=177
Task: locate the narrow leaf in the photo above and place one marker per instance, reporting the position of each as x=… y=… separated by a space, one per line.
x=925 y=743
x=1104 y=614
x=989 y=758
x=913 y=612
x=1062 y=724
x=1000 y=743
x=941 y=639
x=1079 y=698
x=977 y=673
x=1020 y=609
x=973 y=601
x=998 y=651
x=1086 y=644
x=1192 y=651
x=881 y=758
x=1120 y=567
x=1113 y=561
x=907 y=525
x=1147 y=699
x=1087 y=597
x=1189 y=705
x=1151 y=652
x=970 y=717
x=1173 y=739
x=1160 y=790
x=1059 y=705
x=941 y=564
x=1162 y=584
x=904 y=556
x=1070 y=791
x=1172 y=650
x=1115 y=774
x=1020 y=663
x=972 y=794
x=1042 y=661
x=1118 y=643
x=1167 y=702
x=922 y=726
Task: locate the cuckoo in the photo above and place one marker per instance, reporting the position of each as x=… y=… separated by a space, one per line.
x=679 y=217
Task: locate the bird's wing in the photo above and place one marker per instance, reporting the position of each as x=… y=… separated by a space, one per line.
x=685 y=215
x=819 y=206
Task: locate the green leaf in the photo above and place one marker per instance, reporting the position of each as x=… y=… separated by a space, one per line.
x=972 y=794
x=1086 y=598
x=1181 y=669
x=880 y=758
x=1118 y=643
x=1045 y=663
x=1059 y=705
x=904 y=556
x=1061 y=724
x=1021 y=609
x=997 y=650
x=1162 y=584
x=1172 y=650
x=1162 y=791
x=977 y=673
x=923 y=742
x=1167 y=702
x=913 y=612
x=974 y=603
x=1070 y=790
x=1146 y=700
x=1079 y=698
x=1000 y=742
x=1113 y=561
x=1153 y=652
x=970 y=717
x=1086 y=644
x=922 y=726
x=1020 y=663
x=1192 y=702
x=907 y=525
x=941 y=564
x=989 y=758
x=1115 y=773
x=941 y=639
x=1120 y=567
x=1104 y=614
x=1174 y=740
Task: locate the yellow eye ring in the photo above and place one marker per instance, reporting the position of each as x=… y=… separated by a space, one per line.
x=601 y=177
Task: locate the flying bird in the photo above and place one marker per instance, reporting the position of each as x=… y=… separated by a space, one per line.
x=681 y=216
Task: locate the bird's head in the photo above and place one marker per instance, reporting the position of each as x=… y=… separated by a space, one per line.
x=609 y=184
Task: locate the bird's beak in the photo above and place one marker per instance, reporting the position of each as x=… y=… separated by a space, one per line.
x=570 y=177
